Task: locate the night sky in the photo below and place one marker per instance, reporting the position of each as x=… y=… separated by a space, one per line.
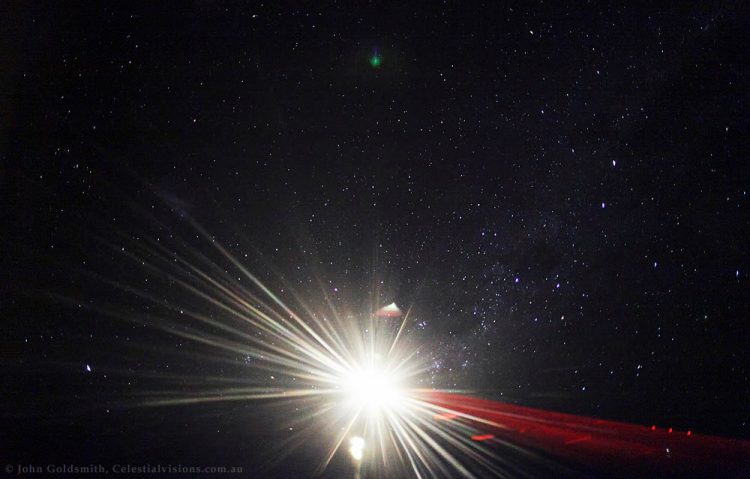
x=559 y=194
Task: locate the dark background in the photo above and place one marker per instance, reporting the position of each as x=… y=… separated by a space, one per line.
x=560 y=193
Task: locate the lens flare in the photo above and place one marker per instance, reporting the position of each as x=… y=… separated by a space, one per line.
x=356 y=447
x=357 y=376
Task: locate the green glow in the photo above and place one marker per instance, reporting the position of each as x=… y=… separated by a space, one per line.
x=375 y=61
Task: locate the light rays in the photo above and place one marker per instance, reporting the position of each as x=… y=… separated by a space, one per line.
x=357 y=375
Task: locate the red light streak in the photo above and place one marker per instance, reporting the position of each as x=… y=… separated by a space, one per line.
x=601 y=444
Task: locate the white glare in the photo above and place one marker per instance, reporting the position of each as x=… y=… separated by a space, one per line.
x=372 y=389
x=356 y=447
x=358 y=376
